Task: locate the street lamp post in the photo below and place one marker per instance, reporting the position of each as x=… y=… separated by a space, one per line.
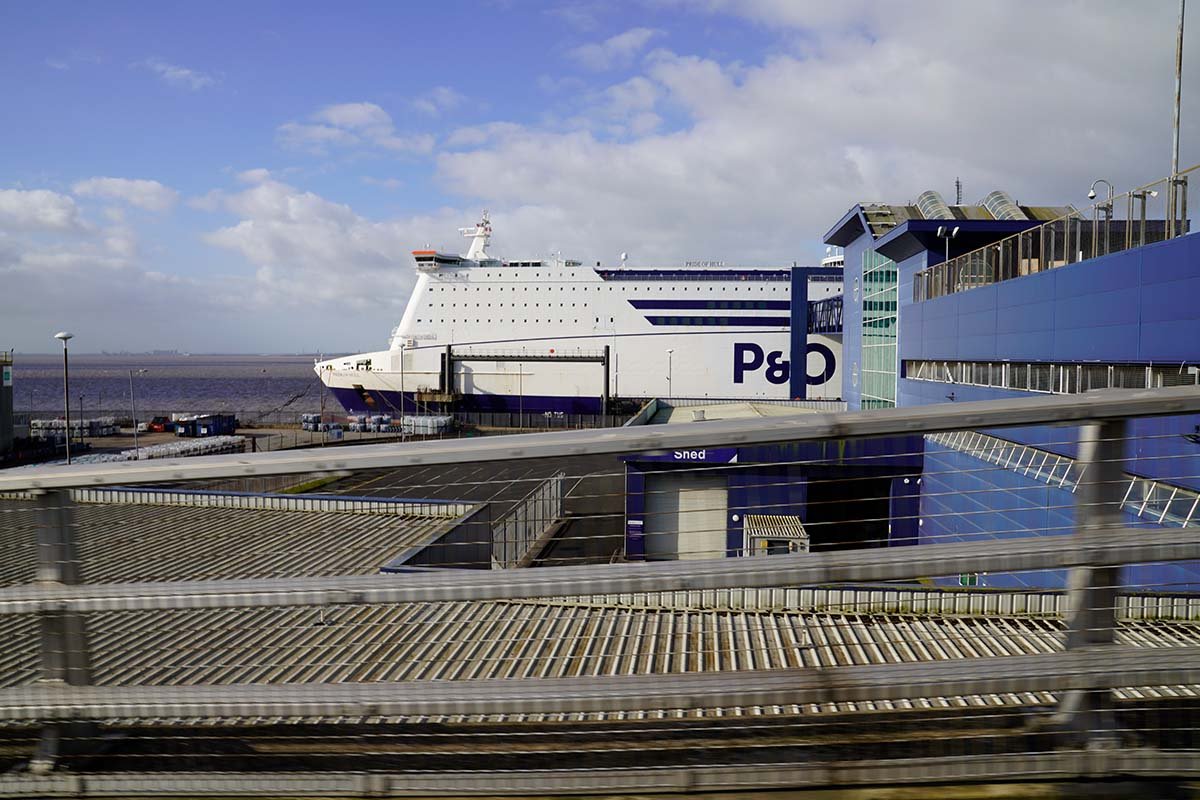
x=947 y=233
x=1107 y=208
x=137 y=455
x=64 y=337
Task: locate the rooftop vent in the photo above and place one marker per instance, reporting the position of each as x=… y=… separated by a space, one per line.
x=1002 y=207
x=932 y=206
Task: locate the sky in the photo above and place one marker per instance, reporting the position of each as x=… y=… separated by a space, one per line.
x=252 y=177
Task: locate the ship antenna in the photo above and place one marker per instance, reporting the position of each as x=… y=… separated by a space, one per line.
x=480 y=236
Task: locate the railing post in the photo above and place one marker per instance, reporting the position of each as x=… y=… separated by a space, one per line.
x=64 y=650
x=1092 y=591
x=63 y=643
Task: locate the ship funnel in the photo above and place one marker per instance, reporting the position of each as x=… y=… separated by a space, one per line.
x=1002 y=207
x=932 y=206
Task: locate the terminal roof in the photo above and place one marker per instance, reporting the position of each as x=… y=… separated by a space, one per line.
x=881 y=219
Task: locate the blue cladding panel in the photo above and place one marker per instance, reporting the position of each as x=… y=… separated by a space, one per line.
x=1160 y=451
x=1139 y=305
x=965 y=499
x=635 y=513
x=904 y=508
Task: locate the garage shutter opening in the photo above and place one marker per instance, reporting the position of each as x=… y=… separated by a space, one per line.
x=685 y=516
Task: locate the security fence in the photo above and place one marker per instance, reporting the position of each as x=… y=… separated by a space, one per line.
x=298 y=669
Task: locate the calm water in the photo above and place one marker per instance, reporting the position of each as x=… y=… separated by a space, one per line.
x=247 y=385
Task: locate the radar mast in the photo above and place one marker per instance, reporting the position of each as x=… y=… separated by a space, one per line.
x=480 y=236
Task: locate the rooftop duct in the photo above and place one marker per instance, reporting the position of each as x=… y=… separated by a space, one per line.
x=1002 y=207
x=932 y=206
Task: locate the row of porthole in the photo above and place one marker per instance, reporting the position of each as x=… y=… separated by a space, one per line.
x=511 y=321
x=501 y=305
x=597 y=288
x=610 y=319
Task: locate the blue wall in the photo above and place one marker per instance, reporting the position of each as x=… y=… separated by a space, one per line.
x=852 y=321
x=774 y=479
x=965 y=499
x=1141 y=305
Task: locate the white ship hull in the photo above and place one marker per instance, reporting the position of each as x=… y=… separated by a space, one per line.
x=697 y=332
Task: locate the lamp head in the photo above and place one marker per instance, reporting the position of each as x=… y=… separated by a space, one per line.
x=63 y=336
x=1091 y=194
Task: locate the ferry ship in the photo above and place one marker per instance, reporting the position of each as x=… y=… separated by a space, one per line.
x=554 y=335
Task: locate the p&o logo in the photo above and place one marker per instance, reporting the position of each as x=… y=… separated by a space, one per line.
x=749 y=357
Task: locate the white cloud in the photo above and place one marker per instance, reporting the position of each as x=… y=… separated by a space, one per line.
x=438 y=100
x=350 y=125
x=476 y=135
x=313 y=138
x=38 y=210
x=147 y=194
x=116 y=299
x=580 y=16
x=560 y=85
x=355 y=116
x=624 y=109
x=55 y=63
x=257 y=175
x=753 y=161
x=178 y=76
x=383 y=183
x=308 y=250
x=616 y=51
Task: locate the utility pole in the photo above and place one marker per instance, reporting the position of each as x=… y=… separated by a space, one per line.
x=1175 y=183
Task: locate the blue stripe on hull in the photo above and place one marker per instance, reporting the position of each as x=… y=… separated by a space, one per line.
x=388 y=402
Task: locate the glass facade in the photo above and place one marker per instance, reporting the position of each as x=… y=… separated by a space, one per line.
x=878 y=331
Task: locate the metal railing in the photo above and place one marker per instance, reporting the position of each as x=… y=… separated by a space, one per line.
x=1152 y=213
x=1080 y=681
x=515 y=534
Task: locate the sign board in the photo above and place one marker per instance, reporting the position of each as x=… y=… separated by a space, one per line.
x=707 y=455
x=7 y=375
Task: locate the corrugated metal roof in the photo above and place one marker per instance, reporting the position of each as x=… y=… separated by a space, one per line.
x=781 y=526
x=527 y=639
x=165 y=543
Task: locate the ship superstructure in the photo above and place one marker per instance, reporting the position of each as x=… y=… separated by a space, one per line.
x=484 y=334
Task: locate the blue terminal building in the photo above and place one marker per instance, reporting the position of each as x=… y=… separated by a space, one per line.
x=1000 y=300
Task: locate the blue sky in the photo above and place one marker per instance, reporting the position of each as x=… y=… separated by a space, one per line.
x=251 y=177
